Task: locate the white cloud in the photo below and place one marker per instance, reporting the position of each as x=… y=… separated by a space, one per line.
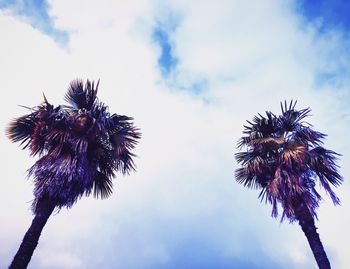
x=183 y=199
x=64 y=260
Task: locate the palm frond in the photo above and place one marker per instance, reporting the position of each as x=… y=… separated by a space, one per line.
x=293 y=153
x=291 y=119
x=32 y=128
x=305 y=135
x=285 y=108
x=123 y=137
x=21 y=129
x=245 y=157
x=81 y=97
x=283 y=156
x=323 y=162
x=273 y=141
x=81 y=146
x=248 y=179
x=263 y=126
x=103 y=186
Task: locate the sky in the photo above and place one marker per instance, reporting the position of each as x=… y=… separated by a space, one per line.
x=190 y=73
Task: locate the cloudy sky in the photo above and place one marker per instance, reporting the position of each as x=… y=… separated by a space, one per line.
x=190 y=73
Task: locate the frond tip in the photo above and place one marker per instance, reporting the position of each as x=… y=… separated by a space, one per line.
x=81 y=97
x=103 y=186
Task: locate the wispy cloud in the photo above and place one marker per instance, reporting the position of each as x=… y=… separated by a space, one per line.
x=36 y=13
x=174 y=76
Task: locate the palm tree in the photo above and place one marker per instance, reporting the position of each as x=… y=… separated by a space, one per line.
x=285 y=157
x=80 y=147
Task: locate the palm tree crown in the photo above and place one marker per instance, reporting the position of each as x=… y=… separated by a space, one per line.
x=80 y=146
x=285 y=158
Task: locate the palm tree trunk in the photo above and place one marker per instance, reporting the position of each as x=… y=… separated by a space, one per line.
x=307 y=223
x=43 y=211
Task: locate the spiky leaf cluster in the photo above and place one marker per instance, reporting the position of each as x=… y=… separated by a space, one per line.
x=80 y=146
x=284 y=157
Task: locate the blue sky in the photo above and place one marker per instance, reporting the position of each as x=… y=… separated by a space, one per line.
x=332 y=13
x=36 y=12
x=329 y=15
x=190 y=73
x=161 y=35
